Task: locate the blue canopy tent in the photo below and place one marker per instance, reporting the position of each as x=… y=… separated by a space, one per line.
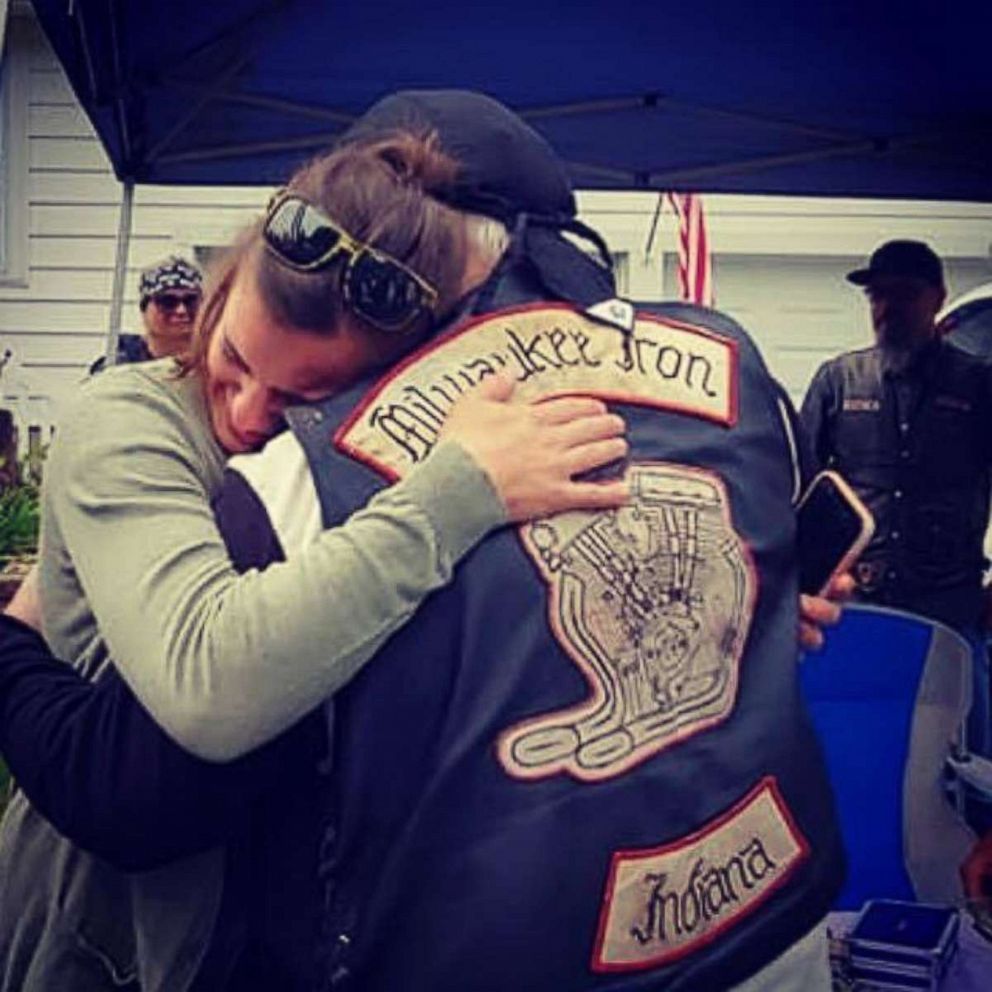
x=854 y=99
x=868 y=99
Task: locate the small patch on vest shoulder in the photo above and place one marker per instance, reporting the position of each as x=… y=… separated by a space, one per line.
x=549 y=350
x=862 y=404
x=619 y=313
x=653 y=603
x=663 y=903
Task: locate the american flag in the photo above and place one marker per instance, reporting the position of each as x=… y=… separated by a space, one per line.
x=695 y=274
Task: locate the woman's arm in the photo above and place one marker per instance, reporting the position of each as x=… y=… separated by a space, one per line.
x=225 y=662
x=92 y=761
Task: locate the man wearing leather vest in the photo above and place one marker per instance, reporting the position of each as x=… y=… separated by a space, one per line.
x=907 y=423
x=584 y=765
x=598 y=774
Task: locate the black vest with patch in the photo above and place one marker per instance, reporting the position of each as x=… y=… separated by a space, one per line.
x=584 y=764
x=916 y=447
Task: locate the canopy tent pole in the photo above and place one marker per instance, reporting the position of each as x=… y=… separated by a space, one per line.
x=654 y=225
x=3 y=24
x=120 y=270
x=205 y=96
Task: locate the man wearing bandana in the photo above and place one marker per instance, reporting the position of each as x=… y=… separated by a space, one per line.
x=169 y=294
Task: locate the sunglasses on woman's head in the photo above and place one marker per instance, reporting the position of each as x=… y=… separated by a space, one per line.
x=173 y=301
x=377 y=288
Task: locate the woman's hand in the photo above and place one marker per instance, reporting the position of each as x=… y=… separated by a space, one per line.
x=817 y=612
x=26 y=603
x=532 y=451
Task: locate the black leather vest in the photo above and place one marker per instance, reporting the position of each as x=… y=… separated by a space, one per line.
x=916 y=448
x=585 y=764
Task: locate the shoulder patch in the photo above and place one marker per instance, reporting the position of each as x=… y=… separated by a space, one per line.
x=959 y=404
x=550 y=350
x=862 y=404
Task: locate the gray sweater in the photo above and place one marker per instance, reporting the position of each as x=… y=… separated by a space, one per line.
x=133 y=567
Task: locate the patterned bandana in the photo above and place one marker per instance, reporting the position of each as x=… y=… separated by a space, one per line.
x=170 y=273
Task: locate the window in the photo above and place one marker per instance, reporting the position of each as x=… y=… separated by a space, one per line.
x=13 y=161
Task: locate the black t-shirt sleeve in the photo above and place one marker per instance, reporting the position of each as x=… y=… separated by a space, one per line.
x=245 y=525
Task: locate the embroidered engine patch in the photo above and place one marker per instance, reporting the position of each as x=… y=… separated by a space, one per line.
x=653 y=603
x=663 y=903
x=549 y=350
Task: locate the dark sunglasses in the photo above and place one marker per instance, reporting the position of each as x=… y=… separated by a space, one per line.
x=173 y=301
x=378 y=288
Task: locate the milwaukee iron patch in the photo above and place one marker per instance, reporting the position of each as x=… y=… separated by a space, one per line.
x=549 y=350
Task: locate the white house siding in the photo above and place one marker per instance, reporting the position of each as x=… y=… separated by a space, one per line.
x=778 y=263
x=55 y=322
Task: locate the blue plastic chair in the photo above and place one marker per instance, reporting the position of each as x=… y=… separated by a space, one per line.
x=888 y=695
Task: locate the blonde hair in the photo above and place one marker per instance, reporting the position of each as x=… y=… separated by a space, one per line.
x=487 y=236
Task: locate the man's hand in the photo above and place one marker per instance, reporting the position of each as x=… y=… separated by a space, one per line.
x=817 y=612
x=533 y=452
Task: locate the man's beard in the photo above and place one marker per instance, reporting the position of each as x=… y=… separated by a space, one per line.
x=896 y=360
x=899 y=348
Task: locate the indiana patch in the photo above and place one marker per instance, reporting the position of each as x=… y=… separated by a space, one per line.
x=653 y=603
x=549 y=350
x=663 y=903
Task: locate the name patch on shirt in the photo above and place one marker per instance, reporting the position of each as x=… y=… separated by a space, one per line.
x=549 y=350
x=663 y=903
x=862 y=404
x=653 y=603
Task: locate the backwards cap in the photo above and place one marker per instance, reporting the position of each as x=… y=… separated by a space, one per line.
x=506 y=171
x=506 y=167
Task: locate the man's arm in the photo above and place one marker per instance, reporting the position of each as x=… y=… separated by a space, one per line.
x=102 y=772
x=94 y=763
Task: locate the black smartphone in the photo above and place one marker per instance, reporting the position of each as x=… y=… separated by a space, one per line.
x=833 y=528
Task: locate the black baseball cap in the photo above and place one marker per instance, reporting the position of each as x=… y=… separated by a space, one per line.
x=912 y=259
x=506 y=170
x=505 y=166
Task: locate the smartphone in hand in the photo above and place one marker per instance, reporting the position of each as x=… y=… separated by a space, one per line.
x=833 y=528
